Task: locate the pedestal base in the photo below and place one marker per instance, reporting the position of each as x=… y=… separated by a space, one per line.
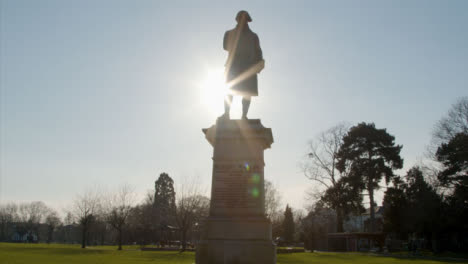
x=236 y=241
x=236 y=252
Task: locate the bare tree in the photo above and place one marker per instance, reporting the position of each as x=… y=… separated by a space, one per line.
x=456 y=121
x=8 y=215
x=298 y=216
x=118 y=210
x=144 y=220
x=272 y=202
x=100 y=228
x=320 y=165
x=30 y=215
x=191 y=207
x=85 y=209
x=52 y=221
x=316 y=225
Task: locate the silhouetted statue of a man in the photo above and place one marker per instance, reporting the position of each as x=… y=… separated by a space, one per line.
x=245 y=60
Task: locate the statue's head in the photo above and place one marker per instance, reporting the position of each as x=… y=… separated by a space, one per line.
x=243 y=17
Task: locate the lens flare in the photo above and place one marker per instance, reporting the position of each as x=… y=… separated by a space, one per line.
x=255 y=192
x=246 y=166
x=255 y=178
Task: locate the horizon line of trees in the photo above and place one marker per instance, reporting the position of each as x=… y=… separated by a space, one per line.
x=94 y=218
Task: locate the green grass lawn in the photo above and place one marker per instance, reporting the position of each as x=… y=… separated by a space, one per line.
x=51 y=254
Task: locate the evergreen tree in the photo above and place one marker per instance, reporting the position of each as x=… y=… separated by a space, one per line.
x=164 y=196
x=424 y=205
x=454 y=156
x=164 y=201
x=412 y=206
x=345 y=198
x=369 y=154
x=395 y=203
x=288 y=225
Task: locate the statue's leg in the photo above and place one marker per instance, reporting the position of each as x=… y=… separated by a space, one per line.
x=227 y=105
x=245 y=105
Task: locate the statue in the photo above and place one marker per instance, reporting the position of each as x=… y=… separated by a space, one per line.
x=244 y=61
x=237 y=229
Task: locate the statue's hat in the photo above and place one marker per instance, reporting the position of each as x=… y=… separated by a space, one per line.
x=243 y=13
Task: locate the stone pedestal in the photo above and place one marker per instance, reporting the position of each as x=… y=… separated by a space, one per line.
x=237 y=231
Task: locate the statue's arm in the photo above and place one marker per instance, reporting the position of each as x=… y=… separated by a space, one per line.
x=258 y=50
x=226 y=41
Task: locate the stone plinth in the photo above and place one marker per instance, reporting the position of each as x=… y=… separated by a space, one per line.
x=237 y=231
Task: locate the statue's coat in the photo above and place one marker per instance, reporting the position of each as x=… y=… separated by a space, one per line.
x=241 y=58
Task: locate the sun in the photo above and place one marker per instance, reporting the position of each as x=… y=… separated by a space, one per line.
x=213 y=89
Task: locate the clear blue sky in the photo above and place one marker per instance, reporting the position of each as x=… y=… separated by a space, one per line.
x=107 y=92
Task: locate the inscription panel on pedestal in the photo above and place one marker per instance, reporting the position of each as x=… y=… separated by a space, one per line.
x=237 y=186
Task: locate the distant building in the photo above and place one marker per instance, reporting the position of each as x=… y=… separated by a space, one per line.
x=23 y=238
x=357 y=235
x=361 y=223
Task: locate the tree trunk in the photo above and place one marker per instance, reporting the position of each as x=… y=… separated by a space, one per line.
x=36 y=230
x=372 y=213
x=49 y=235
x=120 y=238
x=83 y=238
x=103 y=237
x=2 y=236
x=184 y=240
x=339 y=220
